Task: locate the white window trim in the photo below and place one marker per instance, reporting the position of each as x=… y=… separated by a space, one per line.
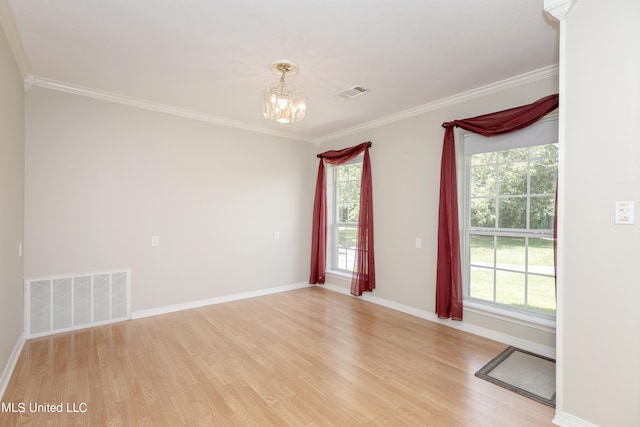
x=465 y=144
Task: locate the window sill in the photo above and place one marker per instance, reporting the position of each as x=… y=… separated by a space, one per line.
x=341 y=274
x=541 y=323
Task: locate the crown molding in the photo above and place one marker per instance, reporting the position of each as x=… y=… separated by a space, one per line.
x=559 y=9
x=13 y=37
x=509 y=83
x=153 y=106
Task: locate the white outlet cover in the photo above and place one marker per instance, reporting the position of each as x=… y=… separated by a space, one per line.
x=624 y=213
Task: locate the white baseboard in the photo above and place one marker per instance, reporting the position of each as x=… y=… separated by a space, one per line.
x=563 y=419
x=217 y=300
x=461 y=325
x=11 y=364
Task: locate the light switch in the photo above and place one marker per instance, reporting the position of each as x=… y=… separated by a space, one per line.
x=276 y=235
x=418 y=243
x=155 y=240
x=624 y=213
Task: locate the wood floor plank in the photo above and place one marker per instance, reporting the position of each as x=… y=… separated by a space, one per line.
x=308 y=357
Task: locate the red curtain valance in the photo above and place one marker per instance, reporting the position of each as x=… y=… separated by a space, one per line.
x=449 y=271
x=364 y=270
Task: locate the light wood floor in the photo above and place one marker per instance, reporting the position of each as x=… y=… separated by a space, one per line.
x=309 y=357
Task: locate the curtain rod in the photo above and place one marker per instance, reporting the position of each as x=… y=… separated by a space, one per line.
x=369 y=143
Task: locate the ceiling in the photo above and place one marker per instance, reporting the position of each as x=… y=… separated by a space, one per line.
x=212 y=59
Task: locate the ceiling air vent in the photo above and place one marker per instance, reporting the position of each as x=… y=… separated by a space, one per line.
x=352 y=92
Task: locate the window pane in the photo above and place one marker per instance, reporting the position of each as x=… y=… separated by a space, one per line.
x=512 y=212
x=481 y=250
x=481 y=283
x=348 y=213
x=541 y=256
x=342 y=237
x=483 y=181
x=513 y=155
x=353 y=191
x=510 y=288
x=346 y=250
x=549 y=150
x=352 y=236
x=512 y=178
x=544 y=174
x=342 y=259
x=483 y=212
x=354 y=212
x=542 y=294
x=542 y=211
x=350 y=260
x=343 y=213
x=343 y=173
x=343 y=193
x=510 y=253
x=355 y=172
x=348 y=193
x=483 y=159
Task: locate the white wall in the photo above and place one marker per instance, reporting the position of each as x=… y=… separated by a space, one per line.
x=405 y=163
x=11 y=201
x=102 y=178
x=601 y=327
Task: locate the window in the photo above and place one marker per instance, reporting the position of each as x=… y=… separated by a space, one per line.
x=346 y=208
x=509 y=210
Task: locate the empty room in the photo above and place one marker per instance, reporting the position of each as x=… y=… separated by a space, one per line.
x=319 y=213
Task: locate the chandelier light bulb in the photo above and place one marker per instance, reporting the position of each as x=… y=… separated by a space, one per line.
x=283 y=101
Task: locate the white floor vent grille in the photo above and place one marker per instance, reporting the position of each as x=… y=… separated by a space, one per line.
x=64 y=303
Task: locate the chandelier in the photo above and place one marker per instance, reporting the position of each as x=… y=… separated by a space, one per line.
x=282 y=103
